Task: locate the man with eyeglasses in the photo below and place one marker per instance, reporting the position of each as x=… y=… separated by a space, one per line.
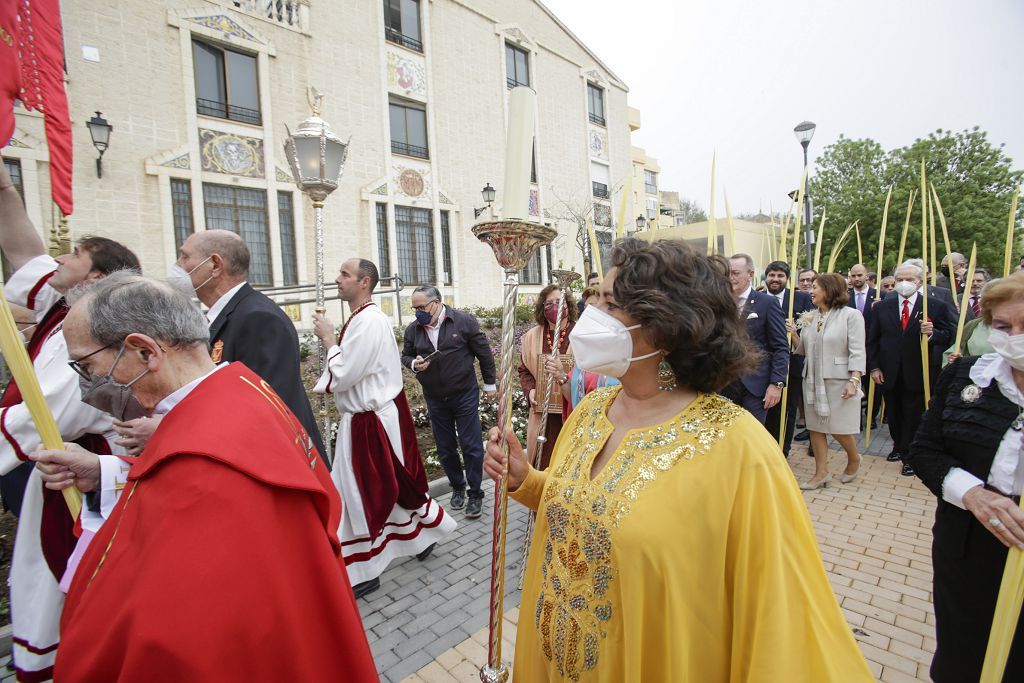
x=453 y=341
x=805 y=279
x=222 y=561
x=42 y=551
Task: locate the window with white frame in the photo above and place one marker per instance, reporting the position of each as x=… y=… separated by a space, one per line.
x=595 y=104
x=408 y=128
x=227 y=85
x=517 y=66
x=650 y=182
x=181 y=210
x=243 y=211
x=402 y=23
x=414 y=236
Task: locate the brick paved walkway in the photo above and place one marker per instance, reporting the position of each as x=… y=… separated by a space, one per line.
x=428 y=621
x=875 y=540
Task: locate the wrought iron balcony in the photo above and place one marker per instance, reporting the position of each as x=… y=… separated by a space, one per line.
x=409 y=150
x=231 y=112
x=399 y=38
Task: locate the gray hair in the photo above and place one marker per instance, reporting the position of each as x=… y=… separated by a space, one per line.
x=430 y=291
x=126 y=303
x=985 y=273
x=229 y=246
x=745 y=257
x=915 y=263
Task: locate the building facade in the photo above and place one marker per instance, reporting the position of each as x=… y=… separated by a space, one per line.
x=199 y=94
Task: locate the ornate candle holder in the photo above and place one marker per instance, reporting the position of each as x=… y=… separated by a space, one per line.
x=513 y=242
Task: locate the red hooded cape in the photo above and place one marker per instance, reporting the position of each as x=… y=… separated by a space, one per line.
x=221 y=560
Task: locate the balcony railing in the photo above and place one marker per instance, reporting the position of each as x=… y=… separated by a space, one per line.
x=600 y=190
x=599 y=120
x=231 y=112
x=399 y=38
x=409 y=150
x=650 y=189
x=293 y=14
x=515 y=83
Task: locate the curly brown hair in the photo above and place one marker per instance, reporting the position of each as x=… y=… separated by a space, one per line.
x=685 y=304
x=538 y=306
x=834 y=287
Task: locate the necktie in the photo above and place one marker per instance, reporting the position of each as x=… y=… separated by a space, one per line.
x=976 y=306
x=860 y=302
x=905 y=318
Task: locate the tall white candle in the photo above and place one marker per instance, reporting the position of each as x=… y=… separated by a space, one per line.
x=518 y=154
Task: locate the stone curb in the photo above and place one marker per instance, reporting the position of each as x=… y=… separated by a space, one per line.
x=439 y=487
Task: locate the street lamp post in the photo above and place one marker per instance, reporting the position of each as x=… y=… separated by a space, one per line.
x=641 y=222
x=99 y=131
x=317 y=157
x=804 y=132
x=488 y=194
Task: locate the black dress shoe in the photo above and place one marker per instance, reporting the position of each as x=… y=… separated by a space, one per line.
x=907 y=470
x=473 y=509
x=894 y=456
x=458 y=499
x=874 y=424
x=802 y=436
x=426 y=553
x=366 y=587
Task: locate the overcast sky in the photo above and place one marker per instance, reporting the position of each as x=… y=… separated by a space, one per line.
x=735 y=76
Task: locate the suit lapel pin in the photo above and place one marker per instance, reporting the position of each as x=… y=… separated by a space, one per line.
x=971 y=393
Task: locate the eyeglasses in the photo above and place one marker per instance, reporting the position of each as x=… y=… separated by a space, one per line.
x=82 y=372
x=424 y=306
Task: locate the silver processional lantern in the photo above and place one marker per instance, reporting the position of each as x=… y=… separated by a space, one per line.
x=317 y=158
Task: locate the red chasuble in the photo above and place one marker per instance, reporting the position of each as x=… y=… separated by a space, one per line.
x=221 y=560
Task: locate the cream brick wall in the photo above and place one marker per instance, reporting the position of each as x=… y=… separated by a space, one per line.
x=143 y=85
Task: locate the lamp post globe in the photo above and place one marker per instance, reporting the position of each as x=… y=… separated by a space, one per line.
x=804 y=131
x=488 y=194
x=99 y=131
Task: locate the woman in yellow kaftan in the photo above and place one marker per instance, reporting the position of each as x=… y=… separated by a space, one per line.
x=672 y=543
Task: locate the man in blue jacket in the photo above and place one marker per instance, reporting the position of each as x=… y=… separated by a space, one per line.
x=440 y=347
x=776 y=280
x=766 y=327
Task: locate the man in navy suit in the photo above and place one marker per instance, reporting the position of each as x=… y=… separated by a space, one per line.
x=766 y=327
x=245 y=325
x=776 y=280
x=861 y=292
x=862 y=295
x=894 y=354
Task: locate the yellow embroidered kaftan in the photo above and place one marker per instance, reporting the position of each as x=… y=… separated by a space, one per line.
x=690 y=558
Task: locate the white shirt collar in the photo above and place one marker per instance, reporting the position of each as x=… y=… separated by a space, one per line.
x=992 y=366
x=746 y=294
x=912 y=299
x=173 y=399
x=867 y=288
x=440 y=318
x=219 y=305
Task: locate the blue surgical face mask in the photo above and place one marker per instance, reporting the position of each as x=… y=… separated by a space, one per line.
x=424 y=317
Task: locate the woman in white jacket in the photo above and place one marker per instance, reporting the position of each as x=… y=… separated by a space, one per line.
x=832 y=340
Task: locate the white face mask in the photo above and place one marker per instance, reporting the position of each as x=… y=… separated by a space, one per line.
x=905 y=288
x=1010 y=348
x=602 y=344
x=181 y=279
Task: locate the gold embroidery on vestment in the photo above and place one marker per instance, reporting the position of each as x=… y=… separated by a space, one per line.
x=573 y=605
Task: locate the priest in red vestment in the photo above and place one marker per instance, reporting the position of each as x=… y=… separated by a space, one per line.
x=221 y=560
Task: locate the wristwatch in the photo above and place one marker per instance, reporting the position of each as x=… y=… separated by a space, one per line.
x=780 y=385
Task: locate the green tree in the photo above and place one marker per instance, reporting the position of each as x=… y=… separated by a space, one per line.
x=974 y=179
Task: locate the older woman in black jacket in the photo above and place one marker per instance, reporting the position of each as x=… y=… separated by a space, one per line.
x=968 y=452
